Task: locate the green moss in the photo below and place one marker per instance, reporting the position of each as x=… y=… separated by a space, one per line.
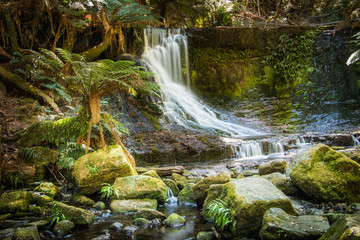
x=153 y=120
x=16 y=201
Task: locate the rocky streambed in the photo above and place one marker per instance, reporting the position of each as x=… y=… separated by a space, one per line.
x=307 y=194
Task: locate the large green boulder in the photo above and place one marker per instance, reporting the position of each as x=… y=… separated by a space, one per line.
x=277 y=224
x=15 y=201
x=249 y=198
x=345 y=228
x=186 y=195
x=132 y=205
x=326 y=174
x=76 y=215
x=48 y=188
x=201 y=188
x=140 y=187
x=102 y=166
x=273 y=166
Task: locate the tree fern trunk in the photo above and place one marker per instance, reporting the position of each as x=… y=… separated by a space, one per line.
x=95 y=51
x=19 y=82
x=88 y=138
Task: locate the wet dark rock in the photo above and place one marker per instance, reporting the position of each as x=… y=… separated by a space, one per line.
x=155 y=223
x=82 y=200
x=277 y=224
x=99 y=205
x=117 y=226
x=47 y=235
x=7 y=233
x=205 y=236
x=273 y=166
x=344 y=140
x=64 y=227
x=130 y=230
x=105 y=236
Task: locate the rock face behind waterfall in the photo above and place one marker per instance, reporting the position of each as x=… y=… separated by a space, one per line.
x=249 y=198
x=140 y=187
x=102 y=166
x=326 y=174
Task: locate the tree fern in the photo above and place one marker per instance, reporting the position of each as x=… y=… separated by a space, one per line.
x=69 y=152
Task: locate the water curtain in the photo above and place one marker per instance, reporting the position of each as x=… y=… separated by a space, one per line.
x=166 y=53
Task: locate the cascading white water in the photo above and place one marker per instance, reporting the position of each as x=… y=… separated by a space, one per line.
x=171 y=197
x=166 y=55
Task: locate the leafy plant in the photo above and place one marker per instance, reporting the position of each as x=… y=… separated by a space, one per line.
x=221 y=215
x=56 y=215
x=69 y=153
x=355 y=56
x=108 y=191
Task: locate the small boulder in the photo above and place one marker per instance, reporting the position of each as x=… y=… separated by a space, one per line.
x=64 y=227
x=116 y=226
x=82 y=200
x=140 y=187
x=326 y=174
x=205 y=236
x=175 y=220
x=277 y=224
x=180 y=180
x=77 y=215
x=201 y=188
x=273 y=166
x=345 y=228
x=28 y=233
x=130 y=230
x=282 y=182
x=142 y=222
x=132 y=205
x=172 y=185
x=15 y=201
x=150 y=214
x=99 y=205
x=48 y=188
x=41 y=199
x=110 y=162
x=186 y=195
x=249 y=198
x=151 y=173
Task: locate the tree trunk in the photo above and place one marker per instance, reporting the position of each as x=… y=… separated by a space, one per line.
x=95 y=51
x=19 y=82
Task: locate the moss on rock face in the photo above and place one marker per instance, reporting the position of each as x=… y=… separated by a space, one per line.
x=249 y=198
x=175 y=220
x=132 y=205
x=345 y=228
x=214 y=192
x=172 y=185
x=77 y=215
x=48 y=188
x=186 y=195
x=109 y=162
x=28 y=233
x=16 y=201
x=326 y=174
x=140 y=187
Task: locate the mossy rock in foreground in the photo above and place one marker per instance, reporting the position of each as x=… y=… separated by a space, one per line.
x=15 y=201
x=345 y=228
x=132 y=205
x=76 y=215
x=140 y=187
x=102 y=166
x=326 y=174
x=248 y=199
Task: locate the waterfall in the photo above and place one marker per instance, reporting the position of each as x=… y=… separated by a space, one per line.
x=171 y=198
x=166 y=55
x=356 y=141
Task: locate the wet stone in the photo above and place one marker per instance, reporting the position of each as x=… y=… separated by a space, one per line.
x=142 y=222
x=116 y=226
x=130 y=230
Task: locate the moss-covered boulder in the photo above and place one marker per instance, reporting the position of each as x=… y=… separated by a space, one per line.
x=142 y=222
x=64 y=227
x=150 y=214
x=201 y=188
x=82 y=200
x=48 y=188
x=172 y=185
x=76 y=215
x=180 y=180
x=41 y=199
x=27 y=233
x=345 y=228
x=277 y=224
x=15 y=201
x=326 y=174
x=214 y=192
x=152 y=173
x=140 y=187
x=205 y=236
x=282 y=182
x=249 y=198
x=186 y=195
x=133 y=205
x=103 y=166
x=175 y=220
x=273 y=166
x=99 y=205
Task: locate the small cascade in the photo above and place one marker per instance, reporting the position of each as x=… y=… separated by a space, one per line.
x=166 y=54
x=246 y=150
x=275 y=147
x=356 y=141
x=171 y=198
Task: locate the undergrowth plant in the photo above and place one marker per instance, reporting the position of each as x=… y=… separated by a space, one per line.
x=56 y=215
x=108 y=191
x=221 y=215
